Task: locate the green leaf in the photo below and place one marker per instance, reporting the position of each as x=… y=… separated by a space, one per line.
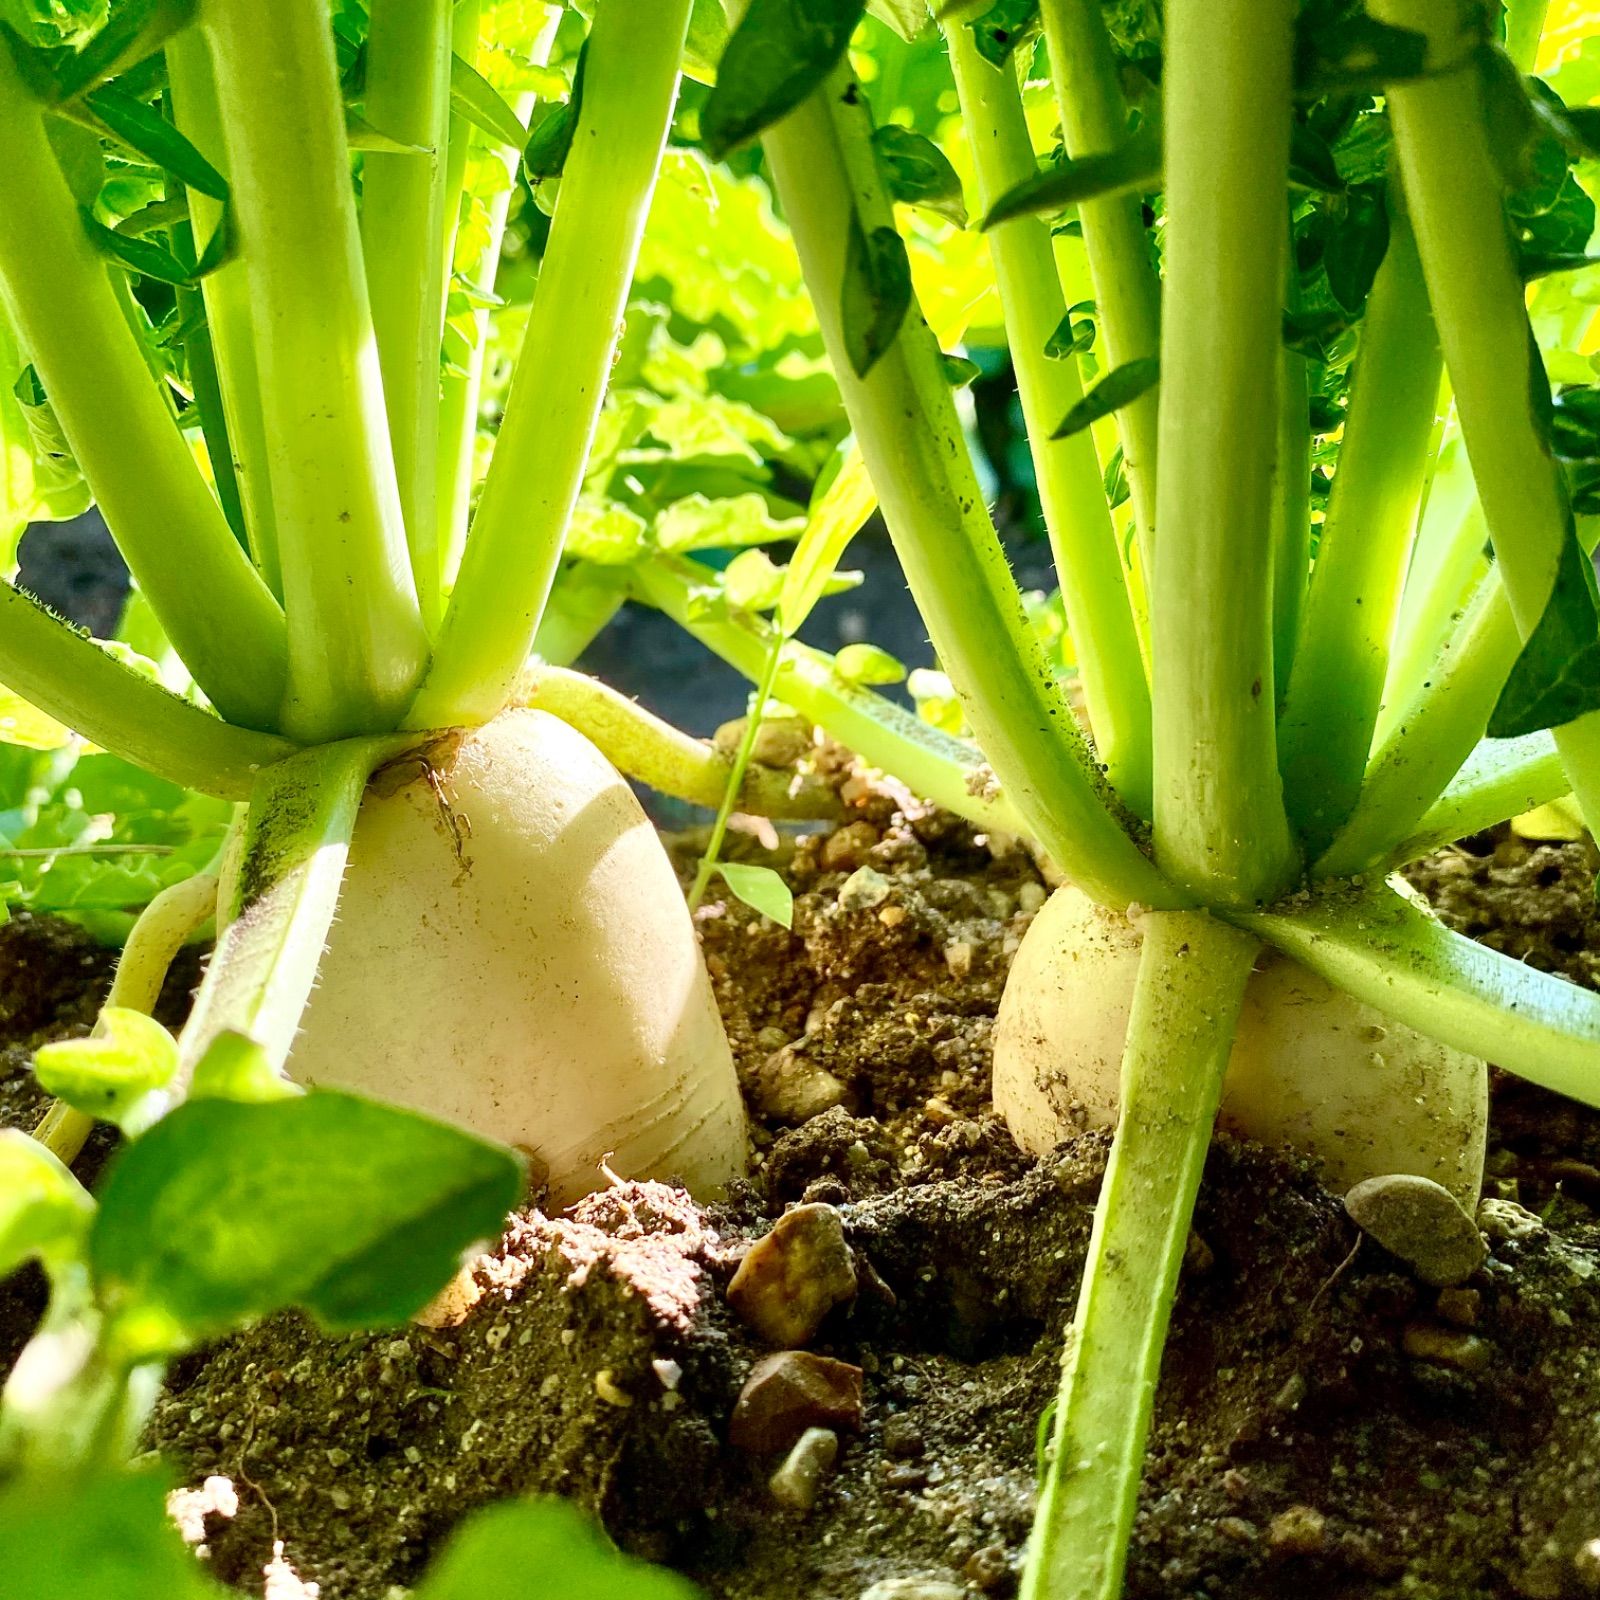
x=545 y=153
x=708 y=38
x=100 y=1538
x=541 y=1550
x=1121 y=386
x=44 y=1210
x=1311 y=161
x=136 y=29
x=475 y=99
x=877 y=294
x=918 y=173
x=867 y=664
x=117 y=1074
x=28 y=727
x=834 y=519
x=761 y=889
x=1557 y=675
x=1356 y=247
x=752 y=582
x=1134 y=166
x=224 y=1211
x=1072 y=337
x=911 y=19
x=1346 y=53
x=959 y=371
x=56 y=478
x=1004 y=28
x=156 y=261
x=149 y=134
x=780 y=51
x=361 y=135
x=237 y=1068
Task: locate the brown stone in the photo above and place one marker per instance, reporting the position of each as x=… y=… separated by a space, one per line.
x=1422 y=1223
x=794 y=1276
x=789 y=1392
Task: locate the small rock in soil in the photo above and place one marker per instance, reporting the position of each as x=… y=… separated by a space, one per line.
x=1299 y=1531
x=989 y=1568
x=1421 y=1222
x=787 y=1393
x=865 y=888
x=1460 y=1307
x=846 y=849
x=914 y=1589
x=1446 y=1347
x=794 y=1276
x=902 y=1437
x=1505 y=1222
x=790 y=1088
x=798 y=1481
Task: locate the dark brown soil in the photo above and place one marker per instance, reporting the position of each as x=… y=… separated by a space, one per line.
x=1325 y=1426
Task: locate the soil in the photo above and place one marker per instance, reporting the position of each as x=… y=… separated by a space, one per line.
x=1325 y=1423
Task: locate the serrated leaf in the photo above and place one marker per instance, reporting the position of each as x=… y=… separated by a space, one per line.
x=476 y=100
x=541 y=1550
x=876 y=296
x=354 y=1211
x=1121 y=386
x=1134 y=166
x=761 y=889
x=149 y=134
x=44 y=1210
x=117 y=1074
x=918 y=173
x=867 y=664
x=780 y=51
x=135 y=29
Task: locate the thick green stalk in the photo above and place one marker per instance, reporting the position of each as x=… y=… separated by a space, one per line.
x=65 y=673
x=1094 y=119
x=1336 y=687
x=356 y=640
x=402 y=225
x=59 y=297
x=643 y=746
x=1082 y=538
x=1192 y=973
x=1220 y=823
x=1453 y=195
x=227 y=299
x=1431 y=738
x=276 y=905
x=905 y=421
x=630 y=82
x=933 y=765
x=1291 y=517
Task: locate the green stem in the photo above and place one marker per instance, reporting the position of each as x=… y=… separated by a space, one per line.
x=226 y=292
x=1380 y=948
x=1082 y=538
x=356 y=639
x=1192 y=973
x=656 y=753
x=219 y=615
x=1431 y=738
x=1291 y=518
x=826 y=175
x=630 y=82
x=67 y=674
x=162 y=929
x=1336 y=687
x=276 y=907
x=741 y=765
x=201 y=361
x=944 y=770
x=1094 y=119
x=402 y=225
x=1220 y=822
x=1453 y=194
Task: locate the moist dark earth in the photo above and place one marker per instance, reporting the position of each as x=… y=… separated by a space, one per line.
x=1326 y=1425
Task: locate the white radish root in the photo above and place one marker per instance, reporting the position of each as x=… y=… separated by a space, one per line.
x=1312 y=1069
x=513 y=953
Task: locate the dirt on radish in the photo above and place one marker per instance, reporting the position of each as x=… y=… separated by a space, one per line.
x=1326 y=1423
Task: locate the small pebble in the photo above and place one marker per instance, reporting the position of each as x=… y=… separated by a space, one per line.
x=958 y=958
x=865 y=888
x=988 y=1568
x=914 y=1589
x=1505 y=1222
x=787 y=1393
x=845 y=849
x=901 y=1436
x=1460 y=1307
x=1422 y=1223
x=790 y=1088
x=1299 y=1531
x=1238 y=1530
x=1445 y=1347
x=792 y=1277
x=798 y=1481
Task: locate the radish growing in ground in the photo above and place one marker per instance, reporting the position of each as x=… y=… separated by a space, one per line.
x=1246 y=786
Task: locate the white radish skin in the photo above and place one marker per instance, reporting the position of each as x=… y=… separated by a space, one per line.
x=531 y=974
x=1312 y=1069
